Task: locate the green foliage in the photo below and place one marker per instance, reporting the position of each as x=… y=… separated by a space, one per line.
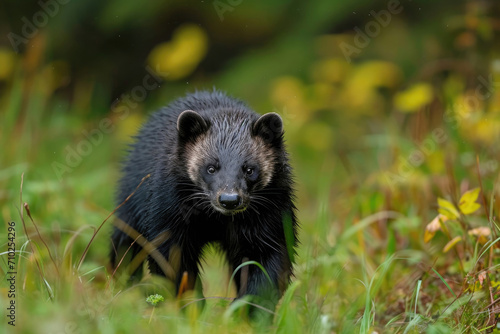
x=154 y=299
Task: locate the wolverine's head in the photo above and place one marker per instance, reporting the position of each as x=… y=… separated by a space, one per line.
x=231 y=155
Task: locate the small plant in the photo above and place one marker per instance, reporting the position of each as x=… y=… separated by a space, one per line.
x=474 y=246
x=453 y=221
x=153 y=300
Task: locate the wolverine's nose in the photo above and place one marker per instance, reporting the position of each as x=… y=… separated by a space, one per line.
x=230 y=201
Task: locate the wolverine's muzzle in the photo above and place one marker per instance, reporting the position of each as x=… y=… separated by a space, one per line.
x=230 y=203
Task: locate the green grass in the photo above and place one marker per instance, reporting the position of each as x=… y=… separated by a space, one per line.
x=362 y=265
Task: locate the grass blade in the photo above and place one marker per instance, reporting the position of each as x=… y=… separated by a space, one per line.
x=445 y=283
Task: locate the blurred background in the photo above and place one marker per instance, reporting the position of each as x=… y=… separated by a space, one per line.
x=387 y=105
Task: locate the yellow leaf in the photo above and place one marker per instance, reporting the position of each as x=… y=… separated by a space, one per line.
x=414 y=97
x=468 y=203
x=428 y=235
x=178 y=58
x=486 y=129
x=360 y=93
x=433 y=227
x=451 y=243
x=448 y=209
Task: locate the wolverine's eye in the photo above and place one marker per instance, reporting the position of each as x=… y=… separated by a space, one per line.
x=249 y=171
x=211 y=169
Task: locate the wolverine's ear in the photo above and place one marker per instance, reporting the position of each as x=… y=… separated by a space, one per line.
x=190 y=124
x=269 y=126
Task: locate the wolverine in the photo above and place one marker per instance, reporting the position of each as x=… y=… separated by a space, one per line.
x=217 y=173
